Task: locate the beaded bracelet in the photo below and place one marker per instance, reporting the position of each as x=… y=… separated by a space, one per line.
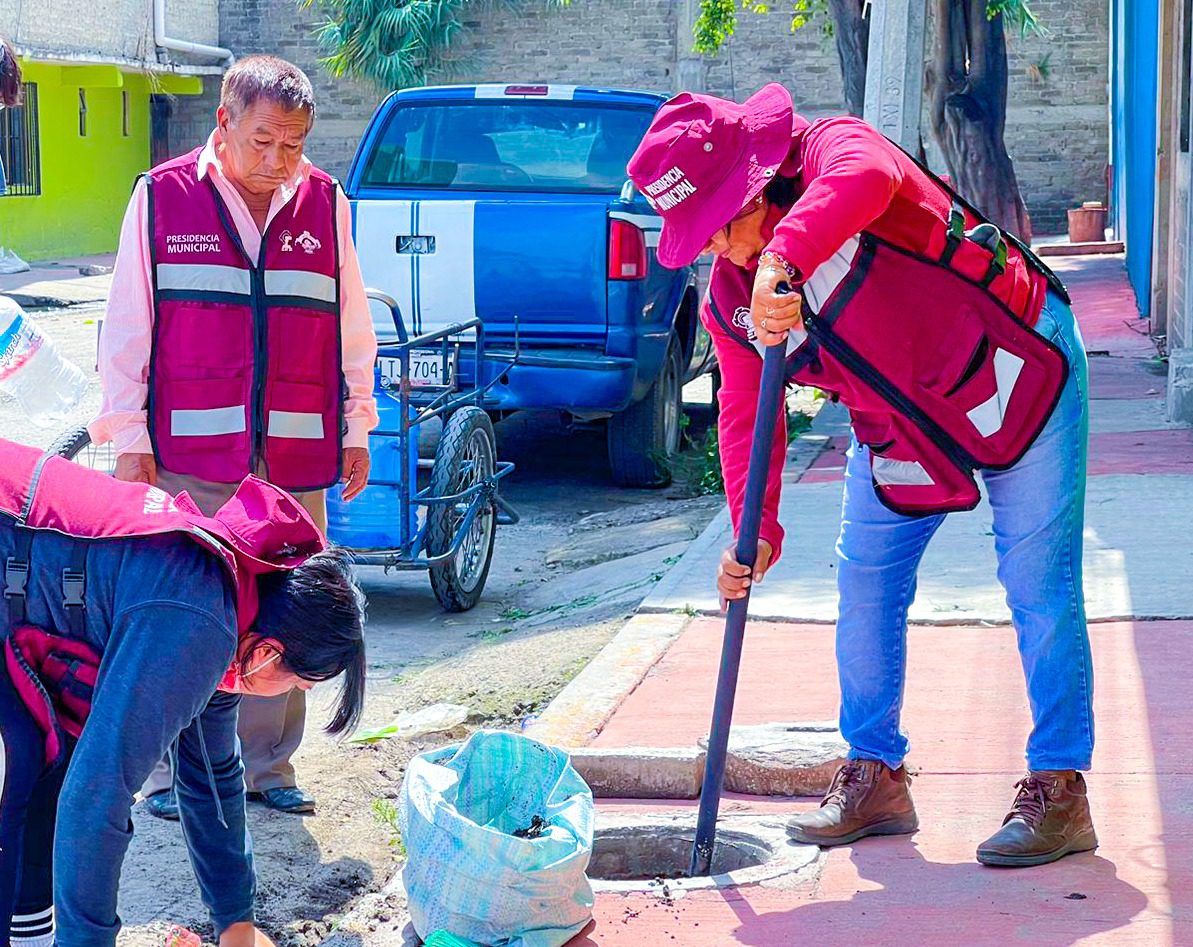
x=771 y=257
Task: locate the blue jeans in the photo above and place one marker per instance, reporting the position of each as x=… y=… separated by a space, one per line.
x=1038 y=510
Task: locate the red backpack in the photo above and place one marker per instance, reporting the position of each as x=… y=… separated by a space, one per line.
x=931 y=353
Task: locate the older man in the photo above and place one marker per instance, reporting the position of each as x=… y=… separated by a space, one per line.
x=238 y=340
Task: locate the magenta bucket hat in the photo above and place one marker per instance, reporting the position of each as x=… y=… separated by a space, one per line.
x=703 y=159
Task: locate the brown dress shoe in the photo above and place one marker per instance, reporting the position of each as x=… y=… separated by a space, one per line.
x=866 y=797
x=1049 y=819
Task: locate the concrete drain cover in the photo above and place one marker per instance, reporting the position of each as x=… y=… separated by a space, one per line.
x=652 y=853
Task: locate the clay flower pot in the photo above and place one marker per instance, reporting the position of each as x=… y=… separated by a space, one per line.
x=1087 y=223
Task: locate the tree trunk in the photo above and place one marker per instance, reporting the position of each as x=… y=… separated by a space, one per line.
x=852 y=32
x=968 y=89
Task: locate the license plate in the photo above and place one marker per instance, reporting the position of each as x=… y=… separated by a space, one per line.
x=426 y=370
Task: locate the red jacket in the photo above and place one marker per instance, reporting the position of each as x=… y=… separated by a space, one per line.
x=261 y=530
x=850 y=179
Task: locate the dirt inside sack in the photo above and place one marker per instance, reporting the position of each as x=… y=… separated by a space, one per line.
x=538 y=827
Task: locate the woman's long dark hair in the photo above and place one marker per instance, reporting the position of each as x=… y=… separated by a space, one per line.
x=317 y=613
x=782 y=191
x=10 y=75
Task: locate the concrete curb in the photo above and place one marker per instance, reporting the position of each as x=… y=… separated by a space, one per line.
x=638 y=772
x=581 y=709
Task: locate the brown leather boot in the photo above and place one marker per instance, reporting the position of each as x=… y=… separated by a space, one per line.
x=866 y=797
x=1048 y=820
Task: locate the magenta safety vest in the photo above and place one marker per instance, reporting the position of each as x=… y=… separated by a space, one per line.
x=931 y=351
x=262 y=529
x=245 y=374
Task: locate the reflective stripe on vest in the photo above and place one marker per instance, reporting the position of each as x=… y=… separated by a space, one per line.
x=301 y=284
x=904 y=473
x=988 y=416
x=830 y=274
x=296 y=424
x=204 y=277
x=208 y=422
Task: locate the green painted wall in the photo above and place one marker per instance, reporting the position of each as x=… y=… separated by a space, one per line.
x=85 y=180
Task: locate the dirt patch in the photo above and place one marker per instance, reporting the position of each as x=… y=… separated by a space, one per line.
x=309 y=869
x=506 y=681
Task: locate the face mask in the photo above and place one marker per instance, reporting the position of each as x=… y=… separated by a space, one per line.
x=233 y=681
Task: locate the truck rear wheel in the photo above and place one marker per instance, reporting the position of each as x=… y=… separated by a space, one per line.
x=643 y=437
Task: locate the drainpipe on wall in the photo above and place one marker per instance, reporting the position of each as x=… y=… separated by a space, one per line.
x=181 y=45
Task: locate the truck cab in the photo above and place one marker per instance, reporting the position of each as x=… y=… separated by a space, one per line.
x=510 y=203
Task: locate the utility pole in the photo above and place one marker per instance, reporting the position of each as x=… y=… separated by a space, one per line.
x=895 y=70
x=690 y=68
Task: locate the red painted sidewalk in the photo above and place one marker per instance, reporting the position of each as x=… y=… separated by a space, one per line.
x=967 y=717
x=966 y=713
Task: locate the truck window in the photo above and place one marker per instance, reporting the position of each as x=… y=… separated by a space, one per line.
x=507 y=146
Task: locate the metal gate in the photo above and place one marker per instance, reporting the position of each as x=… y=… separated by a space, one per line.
x=19 y=146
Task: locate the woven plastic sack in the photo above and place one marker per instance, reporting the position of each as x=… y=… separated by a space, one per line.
x=467 y=872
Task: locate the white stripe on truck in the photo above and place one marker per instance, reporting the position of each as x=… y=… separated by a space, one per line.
x=439 y=287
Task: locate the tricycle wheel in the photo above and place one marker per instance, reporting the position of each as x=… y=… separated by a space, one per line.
x=76 y=445
x=643 y=437
x=466 y=456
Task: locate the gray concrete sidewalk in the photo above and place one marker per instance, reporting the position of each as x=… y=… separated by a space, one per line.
x=58 y=283
x=1137 y=527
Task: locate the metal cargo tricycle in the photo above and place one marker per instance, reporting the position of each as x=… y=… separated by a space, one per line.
x=446 y=526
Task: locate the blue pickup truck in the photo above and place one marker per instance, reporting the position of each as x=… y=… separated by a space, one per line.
x=510 y=203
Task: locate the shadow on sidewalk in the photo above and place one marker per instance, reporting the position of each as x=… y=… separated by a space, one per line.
x=907 y=899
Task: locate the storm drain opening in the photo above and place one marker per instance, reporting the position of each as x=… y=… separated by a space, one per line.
x=644 y=853
x=653 y=853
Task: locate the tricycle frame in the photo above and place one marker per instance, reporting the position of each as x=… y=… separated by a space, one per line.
x=416 y=407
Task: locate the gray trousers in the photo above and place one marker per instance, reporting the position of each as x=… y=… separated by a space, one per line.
x=270 y=728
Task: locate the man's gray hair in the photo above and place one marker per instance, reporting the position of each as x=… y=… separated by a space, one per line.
x=256 y=78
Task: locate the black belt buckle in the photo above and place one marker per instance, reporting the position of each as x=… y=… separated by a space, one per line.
x=74 y=585
x=16 y=576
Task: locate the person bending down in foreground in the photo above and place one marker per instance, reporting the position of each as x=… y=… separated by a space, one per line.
x=956 y=352
x=134 y=624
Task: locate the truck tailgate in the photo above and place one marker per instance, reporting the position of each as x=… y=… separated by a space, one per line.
x=542 y=260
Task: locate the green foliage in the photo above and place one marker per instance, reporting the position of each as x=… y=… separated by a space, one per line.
x=705 y=478
x=718 y=19
x=393 y=44
x=698 y=466
x=1040 y=71
x=797 y=423
x=714 y=25
x=386 y=814
x=1015 y=13
x=804 y=12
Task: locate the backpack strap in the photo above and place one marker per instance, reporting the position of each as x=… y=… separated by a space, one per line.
x=16 y=575
x=961 y=204
x=955 y=233
x=74 y=588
